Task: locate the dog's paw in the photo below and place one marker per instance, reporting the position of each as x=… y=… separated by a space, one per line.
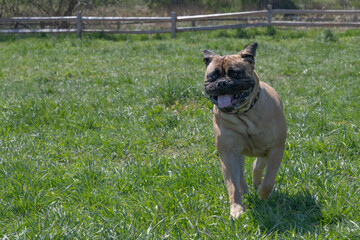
x=264 y=191
x=236 y=210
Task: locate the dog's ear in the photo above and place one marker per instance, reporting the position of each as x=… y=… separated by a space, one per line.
x=208 y=56
x=249 y=52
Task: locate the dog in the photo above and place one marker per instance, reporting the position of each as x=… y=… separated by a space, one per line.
x=248 y=121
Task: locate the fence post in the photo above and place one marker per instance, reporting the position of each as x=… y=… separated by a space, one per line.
x=269 y=8
x=78 y=25
x=173 y=24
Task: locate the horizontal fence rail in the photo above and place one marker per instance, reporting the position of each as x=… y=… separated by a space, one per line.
x=80 y=24
x=221 y=15
x=128 y=19
x=299 y=12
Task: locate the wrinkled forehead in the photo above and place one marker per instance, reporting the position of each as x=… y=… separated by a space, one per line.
x=227 y=61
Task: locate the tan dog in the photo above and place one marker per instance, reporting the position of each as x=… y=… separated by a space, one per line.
x=248 y=120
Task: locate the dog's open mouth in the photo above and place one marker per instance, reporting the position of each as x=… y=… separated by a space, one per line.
x=229 y=102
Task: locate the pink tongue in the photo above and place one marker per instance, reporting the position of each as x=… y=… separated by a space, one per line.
x=224 y=101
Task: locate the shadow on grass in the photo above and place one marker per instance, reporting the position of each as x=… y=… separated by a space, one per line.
x=284 y=213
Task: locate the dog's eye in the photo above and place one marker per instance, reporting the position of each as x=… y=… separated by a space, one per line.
x=214 y=75
x=236 y=74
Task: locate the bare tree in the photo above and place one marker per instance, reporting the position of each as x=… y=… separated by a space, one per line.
x=57 y=7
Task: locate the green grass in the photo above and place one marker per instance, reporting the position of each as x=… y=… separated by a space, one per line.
x=110 y=137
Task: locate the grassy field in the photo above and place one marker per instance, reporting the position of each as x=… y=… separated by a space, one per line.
x=110 y=137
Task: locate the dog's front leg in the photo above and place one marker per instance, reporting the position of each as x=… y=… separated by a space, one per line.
x=274 y=159
x=258 y=169
x=233 y=172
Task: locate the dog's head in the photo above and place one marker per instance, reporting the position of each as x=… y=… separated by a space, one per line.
x=229 y=79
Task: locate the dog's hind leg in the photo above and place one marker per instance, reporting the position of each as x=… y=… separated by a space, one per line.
x=233 y=172
x=274 y=159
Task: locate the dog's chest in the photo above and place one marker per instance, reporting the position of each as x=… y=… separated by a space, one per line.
x=253 y=141
x=252 y=138
x=255 y=145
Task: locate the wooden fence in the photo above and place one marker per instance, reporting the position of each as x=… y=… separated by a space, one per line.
x=257 y=18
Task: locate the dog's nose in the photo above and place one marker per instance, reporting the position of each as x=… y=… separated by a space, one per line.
x=222 y=83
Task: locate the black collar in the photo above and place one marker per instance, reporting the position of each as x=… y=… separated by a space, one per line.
x=254 y=101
